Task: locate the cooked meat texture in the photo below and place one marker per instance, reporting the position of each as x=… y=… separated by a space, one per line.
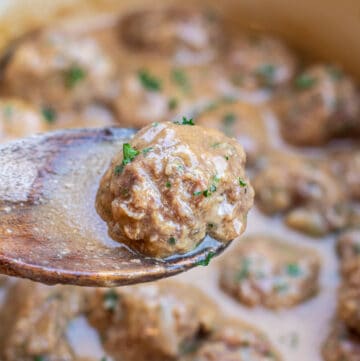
x=159 y=92
x=235 y=341
x=151 y=322
x=349 y=305
x=260 y=61
x=172 y=185
x=341 y=344
x=187 y=35
x=59 y=69
x=34 y=319
x=266 y=271
x=19 y=119
x=310 y=196
x=345 y=165
x=348 y=247
x=241 y=121
x=324 y=104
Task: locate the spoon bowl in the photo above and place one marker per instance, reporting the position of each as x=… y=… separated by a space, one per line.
x=49 y=229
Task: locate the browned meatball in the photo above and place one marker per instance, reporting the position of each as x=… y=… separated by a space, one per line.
x=242 y=121
x=346 y=166
x=266 y=271
x=151 y=322
x=305 y=190
x=258 y=61
x=19 y=119
x=341 y=344
x=59 y=69
x=34 y=318
x=235 y=341
x=323 y=105
x=159 y=92
x=172 y=185
x=188 y=36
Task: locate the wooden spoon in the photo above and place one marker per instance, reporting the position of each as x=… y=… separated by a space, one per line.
x=49 y=229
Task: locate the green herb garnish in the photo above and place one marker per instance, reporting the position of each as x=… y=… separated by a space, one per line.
x=242 y=183
x=49 y=114
x=168 y=184
x=206 y=261
x=147 y=150
x=304 y=81
x=185 y=121
x=198 y=193
x=229 y=119
x=148 y=81
x=180 y=78
x=129 y=154
x=335 y=72
x=173 y=103
x=293 y=270
x=244 y=270
x=39 y=358
x=266 y=72
x=73 y=76
x=172 y=241
x=110 y=300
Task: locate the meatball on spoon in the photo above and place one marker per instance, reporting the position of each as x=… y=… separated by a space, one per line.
x=50 y=230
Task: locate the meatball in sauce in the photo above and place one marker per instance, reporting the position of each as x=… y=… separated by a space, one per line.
x=265 y=271
x=188 y=36
x=172 y=185
x=324 y=105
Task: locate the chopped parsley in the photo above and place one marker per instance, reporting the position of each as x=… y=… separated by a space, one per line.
x=129 y=154
x=168 y=184
x=335 y=72
x=73 y=76
x=110 y=300
x=242 y=183
x=206 y=261
x=180 y=78
x=173 y=103
x=226 y=157
x=304 y=81
x=103 y=358
x=39 y=358
x=229 y=119
x=148 y=81
x=8 y=111
x=244 y=270
x=49 y=114
x=172 y=241
x=266 y=73
x=186 y=121
x=281 y=287
x=198 y=193
x=147 y=150
x=293 y=270
x=215 y=145
x=155 y=124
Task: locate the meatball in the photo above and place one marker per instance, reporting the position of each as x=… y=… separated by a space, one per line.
x=305 y=190
x=241 y=121
x=59 y=69
x=269 y=272
x=158 y=92
x=34 y=319
x=152 y=322
x=172 y=185
x=235 y=341
x=188 y=36
x=346 y=165
x=323 y=105
x=349 y=305
x=19 y=119
x=258 y=61
x=341 y=344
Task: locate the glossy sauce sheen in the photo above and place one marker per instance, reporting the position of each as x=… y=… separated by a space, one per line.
x=299 y=332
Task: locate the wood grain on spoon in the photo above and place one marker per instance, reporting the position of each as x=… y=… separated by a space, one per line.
x=49 y=229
